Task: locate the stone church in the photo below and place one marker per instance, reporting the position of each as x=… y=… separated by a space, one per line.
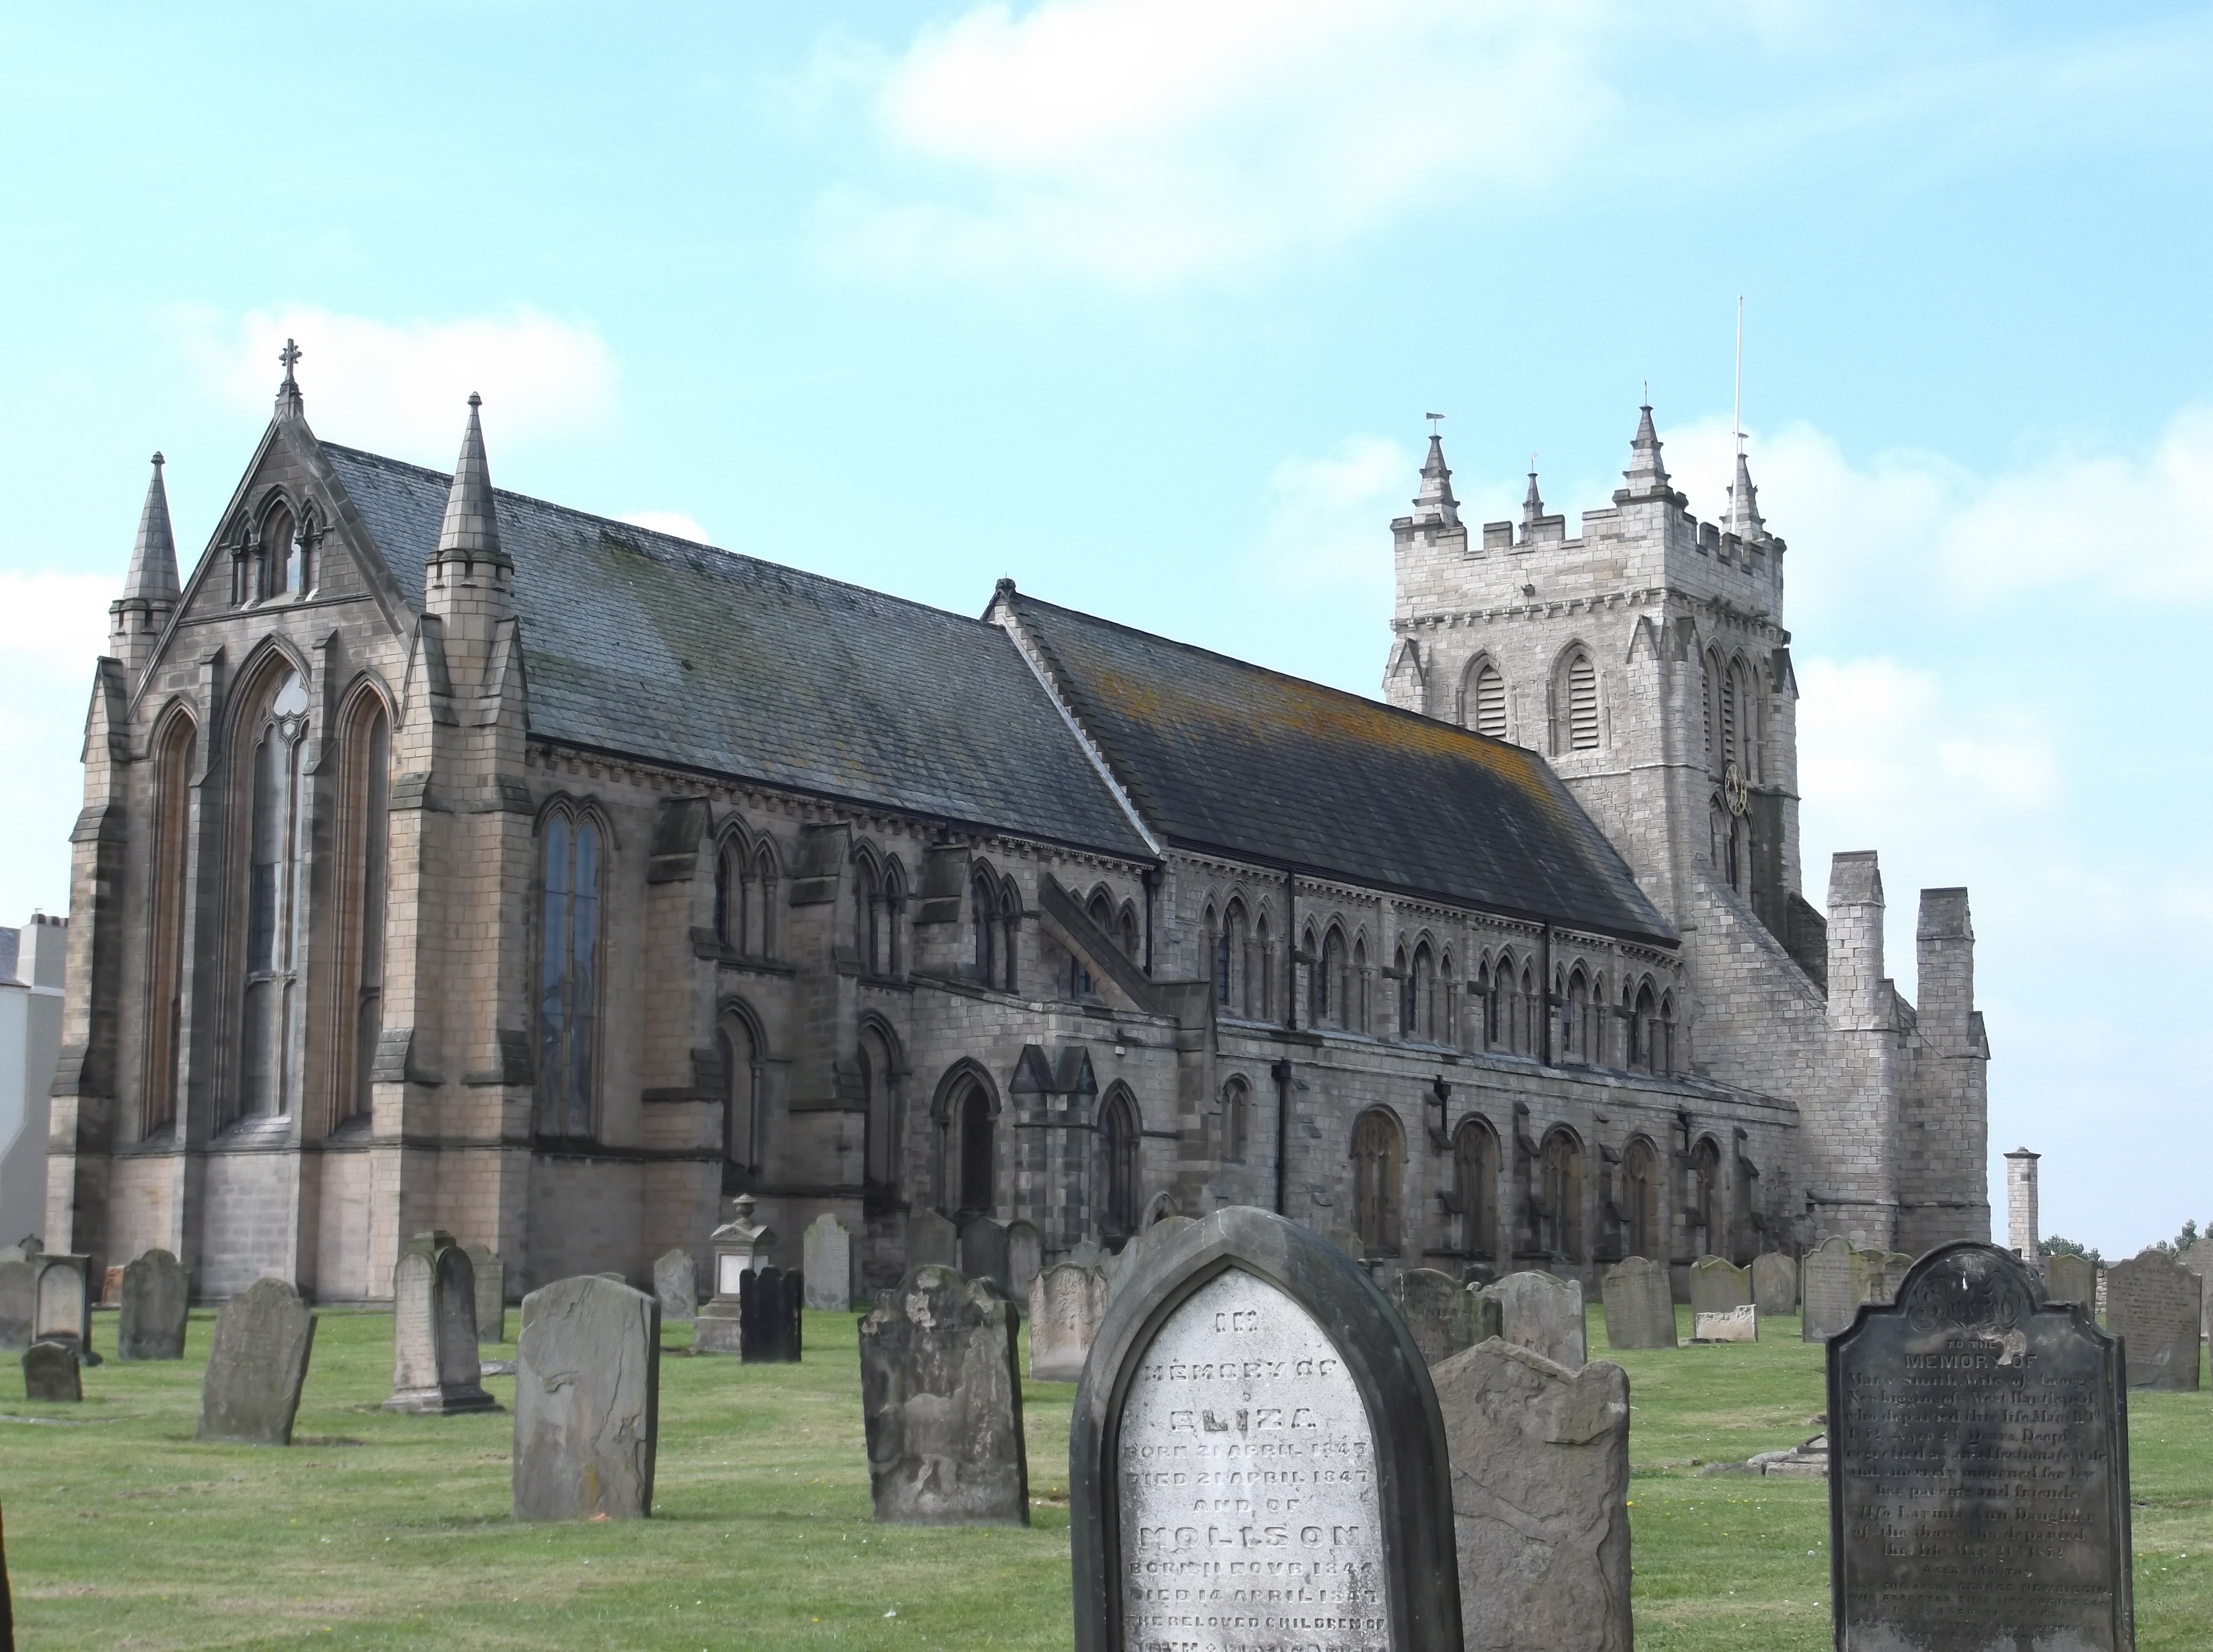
x=454 y=858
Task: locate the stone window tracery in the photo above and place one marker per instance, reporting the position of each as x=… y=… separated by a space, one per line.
x=1121 y=1185
x=1475 y=1185
x=365 y=820
x=275 y=906
x=1378 y=1152
x=175 y=749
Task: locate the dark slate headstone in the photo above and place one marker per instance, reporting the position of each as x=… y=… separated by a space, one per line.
x=19 y=1304
x=257 y=1365
x=676 y=1284
x=1774 y=1285
x=491 y=1275
x=155 y=1297
x=1640 y=1304
x=434 y=1330
x=1444 y=1315
x=52 y=1373
x=769 y=1323
x=1979 y=1480
x=941 y=1404
x=2155 y=1305
x=587 y=1401
x=1250 y=1349
x=2070 y=1278
x=1832 y=1282
x=984 y=1251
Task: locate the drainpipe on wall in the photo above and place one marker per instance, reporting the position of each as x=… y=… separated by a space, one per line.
x=1281 y=1072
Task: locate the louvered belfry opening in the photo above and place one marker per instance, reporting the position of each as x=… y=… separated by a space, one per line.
x=1583 y=704
x=1490 y=702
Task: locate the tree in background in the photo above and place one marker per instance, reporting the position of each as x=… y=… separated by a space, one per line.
x=2058 y=1246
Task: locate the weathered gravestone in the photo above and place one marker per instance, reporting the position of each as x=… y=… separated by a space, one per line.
x=1025 y=1261
x=2155 y=1305
x=491 y=1275
x=676 y=1285
x=769 y=1323
x=434 y=1330
x=932 y=1241
x=1978 y=1478
x=2199 y=1259
x=2070 y=1278
x=1256 y=1458
x=1066 y=1305
x=19 y=1304
x=1124 y=1263
x=1640 y=1307
x=1541 y=1499
x=1774 y=1285
x=587 y=1402
x=257 y=1364
x=1730 y=1324
x=65 y=1310
x=154 y=1306
x=1832 y=1285
x=1896 y=1265
x=1444 y=1315
x=941 y=1404
x=51 y=1372
x=1717 y=1286
x=825 y=1259
x=1542 y=1313
x=739 y=1246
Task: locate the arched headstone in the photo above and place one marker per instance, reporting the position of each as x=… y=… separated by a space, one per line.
x=1326 y=1386
x=1718 y=1285
x=932 y=1241
x=1832 y=1285
x=65 y=1313
x=2155 y=1305
x=153 y=1305
x=434 y=1330
x=676 y=1284
x=52 y=1372
x=1774 y=1285
x=1544 y=1313
x=1640 y=1306
x=257 y=1365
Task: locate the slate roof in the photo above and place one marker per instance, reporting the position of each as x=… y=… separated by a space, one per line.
x=638 y=643
x=1223 y=756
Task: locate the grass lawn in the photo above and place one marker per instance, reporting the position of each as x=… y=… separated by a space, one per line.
x=377 y=1530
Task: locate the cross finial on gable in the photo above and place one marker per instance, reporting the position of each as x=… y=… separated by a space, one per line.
x=290 y=354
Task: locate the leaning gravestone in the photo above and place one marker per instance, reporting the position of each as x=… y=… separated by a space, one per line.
x=19 y=1304
x=826 y=1258
x=1444 y=1315
x=1717 y=1286
x=769 y=1323
x=1978 y=1481
x=1640 y=1307
x=1730 y=1324
x=2156 y=1307
x=1542 y=1313
x=52 y=1372
x=1774 y=1285
x=676 y=1285
x=1066 y=1304
x=155 y=1298
x=587 y=1402
x=1539 y=1459
x=1256 y=1458
x=1025 y=1261
x=434 y=1369
x=256 y=1367
x=931 y=1241
x=1832 y=1285
x=941 y=1404
x=491 y=1274
x=2070 y=1278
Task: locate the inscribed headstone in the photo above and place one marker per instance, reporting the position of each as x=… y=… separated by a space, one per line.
x=931 y=1241
x=491 y=1275
x=64 y=1299
x=1832 y=1285
x=1978 y=1468
x=1539 y=1459
x=1640 y=1307
x=19 y=1304
x=434 y=1330
x=1444 y=1315
x=1025 y=1259
x=587 y=1402
x=1256 y=1458
x=2070 y=1278
x=155 y=1299
x=769 y=1323
x=52 y=1372
x=826 y=1258
x=1717 y=1286
x=2155 y=1305
x=676 y=1284
x=1730 y=1324
x=941 y=1403
x=1542 y=1313
x=257 y=1364
x=1066 y=1304
x=1774 y=1285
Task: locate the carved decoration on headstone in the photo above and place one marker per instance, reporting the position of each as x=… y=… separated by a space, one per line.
x=1730 y=1324
x=587 y=1402
x=941 y=1402
x=1640 y=1304
x=257 y=1365
x=153 y=1308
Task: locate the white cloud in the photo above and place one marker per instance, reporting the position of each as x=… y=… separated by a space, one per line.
x=1326 y=514
x=55 y=619
x=405 y=385
x=52 y=626
x=674 y=523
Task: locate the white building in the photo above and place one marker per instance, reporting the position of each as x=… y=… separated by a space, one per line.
x=30 y=1039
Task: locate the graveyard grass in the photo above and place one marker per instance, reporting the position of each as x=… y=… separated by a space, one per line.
x=387 y=1530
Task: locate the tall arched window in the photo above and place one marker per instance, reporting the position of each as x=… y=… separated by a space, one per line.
x=1528 y=1006
x=568 y=976
x=279 y=553
x=972 y=1116
x=1663 y=1036
x=276 y=746
x=732 y=885
x=880 y=1079
x=1744 y=691
x=1710 y=672
x=984 y=918
x=1576 y=1021
x=1132 y=943
x=1486 y=700
x=1575 y=698
x=894 y=894
x=1640 y=1199
x=1355 y=997
x=1010 y=928
x=1447 y=1021
x=1731 y=684
x=1561 y=1164
x=1259 y=973
x=1475 y=1186
x=760 y=902
x=1329 y=980
x=1378 y=1152
x=1424 y=1021
x=174 y=750
x=1236 y=1121
x=1121 y=1185
x=737 y=1043
x=1234 y=958
x=1640 y=1023
x=867 y=916
x=1706 y=1196
x=365 y=820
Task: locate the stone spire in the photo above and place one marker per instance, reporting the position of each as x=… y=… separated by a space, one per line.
x=1646 y=476
x=1533 y=506
x=1744 y=505
x=471 y=531
x=468 y=583
x=138 y=618
x=1435 y=502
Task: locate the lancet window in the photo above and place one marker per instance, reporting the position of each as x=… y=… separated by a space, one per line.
x=568 y=974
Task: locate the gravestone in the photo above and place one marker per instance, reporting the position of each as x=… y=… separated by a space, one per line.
x=64 y=1312
x=491 y=1275
x=1774 y=1285
x=257 y=1364
x=941 y=1404
x=1978 y=1474
x=1832 y=1285
x=1540 y=1457
x=984 y=1251
x=52 y=1372
x=1717 y=1286
x=1348 y=1241
x=1444 y=1315
x=111 y=1287
x=1025 y=1260
x=676 y=1285
x=19 y=1304
x=434 y=1330
x=932 y=1241
x=2155 y=1305
x=1731 y=1324
x=1541 y=1312
x=739 y=1246
x=587 y=1402
x=2199 y=1259
x=2070 y=1278
x=769 y=1323
x=1256 y=1458
x=1896 y=1265
x=155 y=1297
x=825 y=1259
x=1124 y=1263
x=1640 y=1306
x=1066 y=1304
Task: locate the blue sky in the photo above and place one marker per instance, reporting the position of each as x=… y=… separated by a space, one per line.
x=1141 y=301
